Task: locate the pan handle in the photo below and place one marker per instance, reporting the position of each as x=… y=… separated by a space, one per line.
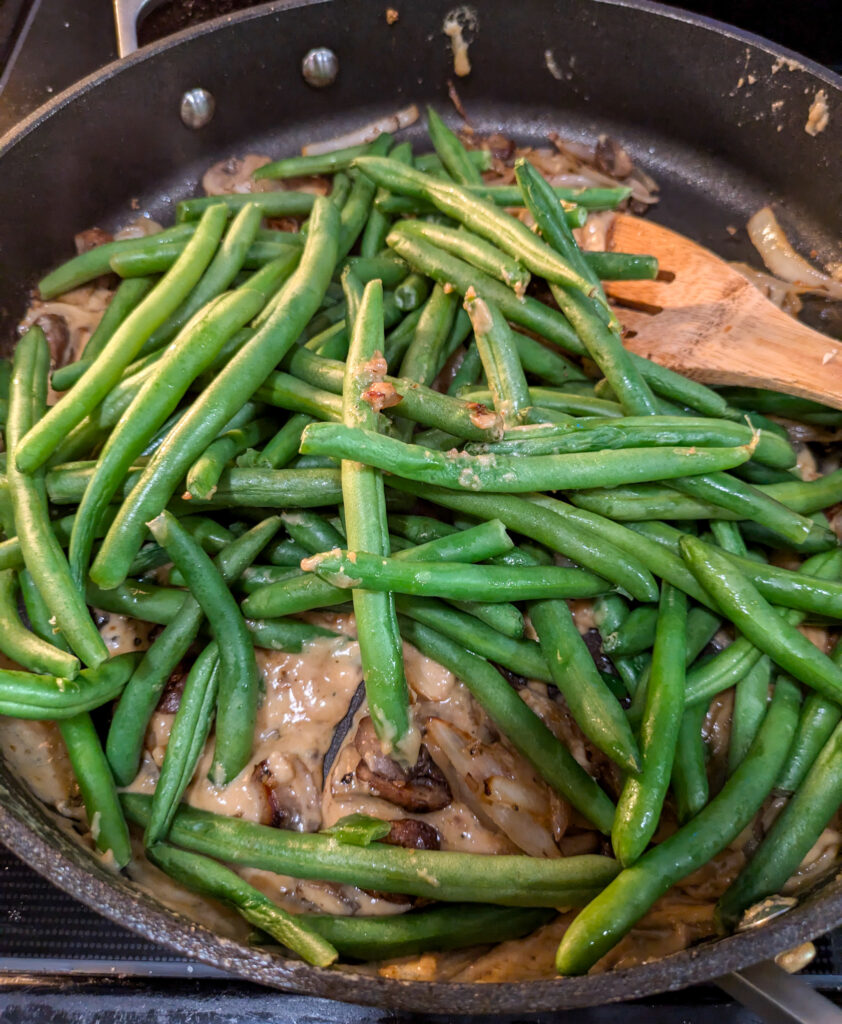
x=126 y=13
x=779 y=998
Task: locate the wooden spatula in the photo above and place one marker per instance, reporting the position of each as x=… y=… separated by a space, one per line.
x=711 y=324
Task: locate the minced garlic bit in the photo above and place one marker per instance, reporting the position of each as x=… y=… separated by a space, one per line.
x=818 y=116
x=391 y=15
x=456 y=23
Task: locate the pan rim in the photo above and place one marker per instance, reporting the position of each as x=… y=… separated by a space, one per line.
x=169 y=928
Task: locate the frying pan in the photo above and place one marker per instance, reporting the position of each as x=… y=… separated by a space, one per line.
x=696 y=103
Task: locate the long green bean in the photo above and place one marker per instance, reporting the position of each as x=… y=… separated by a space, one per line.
x=296 y=303
x=123 y=346
x=504 y=879
x=633 y=892
x=42 y=554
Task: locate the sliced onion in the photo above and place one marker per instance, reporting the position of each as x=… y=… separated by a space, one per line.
x=782 y=293
x=367 y=133
x=770 y=241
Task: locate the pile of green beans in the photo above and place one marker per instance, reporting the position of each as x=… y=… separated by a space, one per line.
x=410 y=405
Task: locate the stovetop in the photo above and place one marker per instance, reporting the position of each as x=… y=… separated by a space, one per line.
x=61 y=963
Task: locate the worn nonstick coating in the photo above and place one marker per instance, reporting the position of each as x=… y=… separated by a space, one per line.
x=696 y=103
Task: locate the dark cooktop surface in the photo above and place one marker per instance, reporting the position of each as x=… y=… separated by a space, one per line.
x=61 y=963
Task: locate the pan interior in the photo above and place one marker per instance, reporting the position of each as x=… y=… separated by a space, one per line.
x=668 y=87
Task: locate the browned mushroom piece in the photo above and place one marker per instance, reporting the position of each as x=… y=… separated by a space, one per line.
x=275 y=812
x=91 y=238
x=170 y=699
x=57 y=333
x=413 y=835
x=610 y=157
x=419 y=789
x=501 y=148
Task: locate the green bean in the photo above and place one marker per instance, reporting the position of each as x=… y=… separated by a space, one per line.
x=510 y=475
x=204 y=475
x=356 y=208
x=473 y=248
x=95 y=262
x=423 y=357
x=523 y=728
x=460 y=580
x=390 y=269
x=635 y=634
x=128 y=723
x=808 y=496
x=632 y=893
x=436 y=928
x=500 y=358
x=566 y=401
x=42 y=553
x=819 y=717
x=258 y=576
x=447 y=269
x=689 y=780
x=123 y=346
x=226 y=264
x=575 y=541
x=469 y=370
x=188 y=734
x=125 y=299
x=412 y=292
x=158 y=397
x=592 y=705
x=748 y=503
x=318 y=163
x=378 y=223
x=284 y=391
x=758 y=621
x=779 y=404
x=478 y=215
x=539 y=360
x=288 y=635
x=504 y=879
x=452 y=153
x=640 y=431
x=5 y=377
x=621 y=266
x=23 y=646
x=47 y=698
x=210 y=878
x=364 y=503
x=239 y=678
x=790 y=838
x=271 y=204
x=308 y=591
x=641 y=801
x=234 y=385
x=312 y=531
x=286 y=553
x=510 y=195
x=522 y=657
x=415 y=402
x=84 y=750
x=609 y=611
x=751 y=695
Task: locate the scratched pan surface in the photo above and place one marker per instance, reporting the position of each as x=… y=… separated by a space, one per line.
x=715 y=115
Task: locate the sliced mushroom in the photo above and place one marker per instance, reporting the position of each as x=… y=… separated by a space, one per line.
x=413 y=834
x=170 y=700
x=57 y=333
x=419 y=789
x=275 y=812
x=610 y=157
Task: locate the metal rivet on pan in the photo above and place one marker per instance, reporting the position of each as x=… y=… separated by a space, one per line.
x=320 y=67
x=197 y=107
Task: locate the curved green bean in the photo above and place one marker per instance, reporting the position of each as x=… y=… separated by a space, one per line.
x=24 y=647
x=625 y=900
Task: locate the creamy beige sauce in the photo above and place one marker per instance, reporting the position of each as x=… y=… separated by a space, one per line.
x=499 y=804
